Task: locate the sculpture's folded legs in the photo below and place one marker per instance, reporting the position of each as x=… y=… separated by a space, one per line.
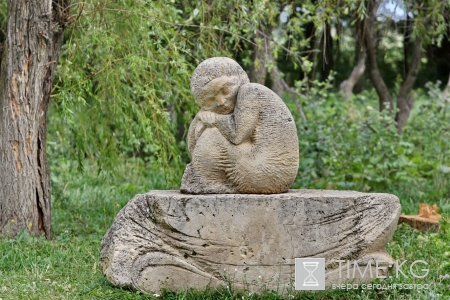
x=211 y=164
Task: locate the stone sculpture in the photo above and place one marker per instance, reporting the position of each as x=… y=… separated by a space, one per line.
x=243 y=140
x=164 y=239
x=244 y=145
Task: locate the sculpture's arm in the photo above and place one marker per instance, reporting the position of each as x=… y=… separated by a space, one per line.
x=195 y=131
x=238 y=127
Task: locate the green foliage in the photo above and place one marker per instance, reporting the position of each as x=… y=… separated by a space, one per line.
x=123 y=87
x=115 y=82
x=351 y=145
x=3 y=14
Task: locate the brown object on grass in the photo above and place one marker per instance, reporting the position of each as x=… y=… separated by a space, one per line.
x=426 y=219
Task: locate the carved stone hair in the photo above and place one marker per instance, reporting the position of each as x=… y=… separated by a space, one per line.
x=213 y=68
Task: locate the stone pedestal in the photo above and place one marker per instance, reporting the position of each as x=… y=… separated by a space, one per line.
x=165 y=239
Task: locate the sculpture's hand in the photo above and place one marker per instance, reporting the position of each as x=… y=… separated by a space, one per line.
x=208 y=118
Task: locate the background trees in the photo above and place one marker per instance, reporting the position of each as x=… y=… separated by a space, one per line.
x=416 y=17
x=300 y=41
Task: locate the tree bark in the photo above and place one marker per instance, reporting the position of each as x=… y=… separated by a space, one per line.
x=384 y=96
x=405 y=101
x=34 y=37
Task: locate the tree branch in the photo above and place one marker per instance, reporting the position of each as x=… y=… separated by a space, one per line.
x=405 y=101
x=347 y=85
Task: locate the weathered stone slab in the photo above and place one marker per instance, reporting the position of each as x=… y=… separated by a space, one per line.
x=173 y=240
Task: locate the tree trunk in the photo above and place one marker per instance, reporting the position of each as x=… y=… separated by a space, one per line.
x=405 y=101
x=34 y=38
x=347 y=85
x=384 y=96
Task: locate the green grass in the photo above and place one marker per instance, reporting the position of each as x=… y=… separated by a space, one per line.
x=84 y=206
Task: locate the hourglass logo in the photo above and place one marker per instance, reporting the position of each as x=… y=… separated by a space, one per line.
x=310 y=274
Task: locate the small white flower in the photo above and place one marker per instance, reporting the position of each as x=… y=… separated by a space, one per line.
x=235 y=270
x=156 y=295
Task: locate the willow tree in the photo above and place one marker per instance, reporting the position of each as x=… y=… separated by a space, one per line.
x=122 y=88
x=34 y=35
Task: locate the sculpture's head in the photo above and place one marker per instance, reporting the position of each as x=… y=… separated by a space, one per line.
x=215 y=84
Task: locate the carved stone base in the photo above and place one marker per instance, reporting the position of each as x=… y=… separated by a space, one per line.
x=165 y=239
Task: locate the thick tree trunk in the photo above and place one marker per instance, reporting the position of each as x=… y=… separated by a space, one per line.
x=384 y=96
x=405 y=101
x=34 y=37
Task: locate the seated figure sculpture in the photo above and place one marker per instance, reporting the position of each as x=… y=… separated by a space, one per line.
x=243 y=140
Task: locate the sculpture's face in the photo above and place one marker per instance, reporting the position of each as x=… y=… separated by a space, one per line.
x=219 y=95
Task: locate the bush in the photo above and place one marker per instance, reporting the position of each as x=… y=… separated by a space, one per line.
x=351 y=145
